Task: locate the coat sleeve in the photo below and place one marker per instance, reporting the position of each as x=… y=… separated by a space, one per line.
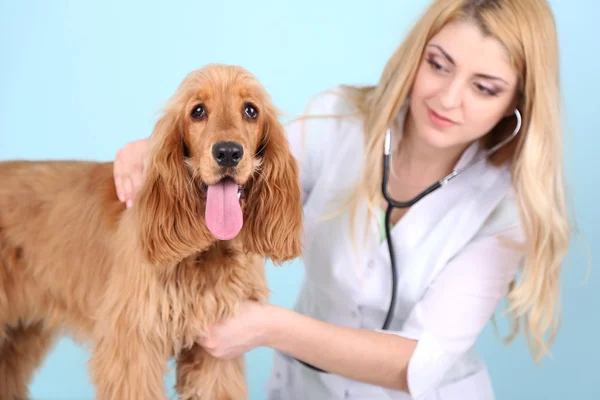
x=461 y=301
x=313 y=133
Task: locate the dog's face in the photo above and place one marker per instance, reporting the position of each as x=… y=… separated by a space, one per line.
x=224 y=127
x=223 y=131
x=220 y=151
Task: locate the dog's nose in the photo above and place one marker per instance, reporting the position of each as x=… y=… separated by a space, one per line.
x=227 y=154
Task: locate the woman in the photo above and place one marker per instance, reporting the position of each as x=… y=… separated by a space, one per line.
x=453 y=89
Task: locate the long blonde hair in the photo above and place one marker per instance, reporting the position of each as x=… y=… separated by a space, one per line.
x=527 y=30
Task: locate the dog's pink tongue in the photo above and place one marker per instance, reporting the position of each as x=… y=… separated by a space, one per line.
x=223 y=211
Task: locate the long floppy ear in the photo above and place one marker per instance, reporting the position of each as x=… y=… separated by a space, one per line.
x=168 y=207
x=273 y=224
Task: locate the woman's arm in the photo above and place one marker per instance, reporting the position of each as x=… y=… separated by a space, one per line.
x=369 y=356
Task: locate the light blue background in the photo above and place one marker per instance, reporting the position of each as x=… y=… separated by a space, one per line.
x=79 y=79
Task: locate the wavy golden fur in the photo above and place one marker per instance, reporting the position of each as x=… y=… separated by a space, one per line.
x=141 y=284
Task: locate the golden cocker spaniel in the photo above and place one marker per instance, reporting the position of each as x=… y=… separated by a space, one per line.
x=221 y=193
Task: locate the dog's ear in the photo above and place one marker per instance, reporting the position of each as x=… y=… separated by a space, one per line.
x=169 y=205
x=273 y=224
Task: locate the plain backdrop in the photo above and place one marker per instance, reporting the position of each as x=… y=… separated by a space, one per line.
x=79 y=79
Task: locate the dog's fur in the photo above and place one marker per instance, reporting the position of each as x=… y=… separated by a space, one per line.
x=141 y=284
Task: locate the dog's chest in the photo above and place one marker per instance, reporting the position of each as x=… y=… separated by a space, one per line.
x=204 y=289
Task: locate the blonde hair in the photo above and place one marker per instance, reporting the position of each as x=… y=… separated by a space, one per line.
x=527 y=30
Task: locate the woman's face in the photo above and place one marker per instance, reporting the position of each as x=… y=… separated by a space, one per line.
x=464 y=85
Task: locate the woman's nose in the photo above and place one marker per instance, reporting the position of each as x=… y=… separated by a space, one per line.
x=452 y=93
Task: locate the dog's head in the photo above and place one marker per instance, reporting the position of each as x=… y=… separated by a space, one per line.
x=220 y=169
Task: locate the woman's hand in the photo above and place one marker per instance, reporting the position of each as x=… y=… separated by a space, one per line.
x=238 y=335
x=129 y=169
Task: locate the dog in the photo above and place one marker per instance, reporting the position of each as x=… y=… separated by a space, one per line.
x=221 y=195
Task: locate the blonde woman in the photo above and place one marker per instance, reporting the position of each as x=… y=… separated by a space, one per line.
x=454 y=88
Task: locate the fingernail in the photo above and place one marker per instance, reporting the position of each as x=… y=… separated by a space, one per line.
x=129 y=203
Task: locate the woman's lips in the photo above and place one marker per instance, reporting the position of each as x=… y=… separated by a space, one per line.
x=439 y=120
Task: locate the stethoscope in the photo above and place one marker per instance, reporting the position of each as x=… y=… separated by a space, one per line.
x=406 y=204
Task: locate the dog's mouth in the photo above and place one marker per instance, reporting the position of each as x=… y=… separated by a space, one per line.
x=223 y=215
x=241 y=188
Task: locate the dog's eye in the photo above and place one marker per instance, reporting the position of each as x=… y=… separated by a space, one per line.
x=199 y=112
x=250 y=111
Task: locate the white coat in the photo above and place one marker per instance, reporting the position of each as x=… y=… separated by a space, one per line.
x=452 y=270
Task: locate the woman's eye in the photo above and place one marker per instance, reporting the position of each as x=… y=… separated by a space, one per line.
x=199 y=112
x=250 y=111
x=485 y=90
x=435 y=65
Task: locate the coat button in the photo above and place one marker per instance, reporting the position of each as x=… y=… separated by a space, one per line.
x=371 y=264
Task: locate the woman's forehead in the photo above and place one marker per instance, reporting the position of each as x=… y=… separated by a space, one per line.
x=469 y=48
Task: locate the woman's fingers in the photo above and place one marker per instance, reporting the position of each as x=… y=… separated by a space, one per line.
x=118 y=178
x=128 y=190
x=137 y=178
x=128 y=170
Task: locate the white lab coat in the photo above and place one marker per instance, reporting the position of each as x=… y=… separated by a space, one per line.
x=452 y=271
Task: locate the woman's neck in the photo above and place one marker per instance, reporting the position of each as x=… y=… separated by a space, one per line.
x=418 y=162
x=416 y=165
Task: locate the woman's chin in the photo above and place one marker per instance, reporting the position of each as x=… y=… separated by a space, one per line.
x=439 y=140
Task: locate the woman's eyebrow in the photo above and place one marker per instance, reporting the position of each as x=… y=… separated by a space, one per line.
x=451 y=60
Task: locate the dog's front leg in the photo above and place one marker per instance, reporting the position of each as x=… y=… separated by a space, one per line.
x=203 y=377
x=124 y=366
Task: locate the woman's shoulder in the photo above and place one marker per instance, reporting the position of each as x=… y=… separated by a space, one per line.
x=485 y=187
x=330 y=118
x=502 y=212
x=336 y=102
x=329 y=124
x=328 y=115
x=489 y=200
x=505 y=215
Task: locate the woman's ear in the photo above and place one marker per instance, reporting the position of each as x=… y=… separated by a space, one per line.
x=168 y=207
x=273 y=224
